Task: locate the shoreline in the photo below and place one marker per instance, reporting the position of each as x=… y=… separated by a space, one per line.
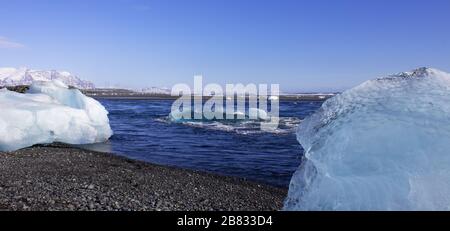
x=151 y=97
x=57 y=177
x=123 y=94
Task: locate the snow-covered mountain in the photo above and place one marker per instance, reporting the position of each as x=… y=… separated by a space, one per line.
x=155 y=90
x=25 y=76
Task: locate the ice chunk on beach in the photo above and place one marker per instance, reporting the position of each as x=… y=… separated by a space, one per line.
x=383 y=145
x=50 y=112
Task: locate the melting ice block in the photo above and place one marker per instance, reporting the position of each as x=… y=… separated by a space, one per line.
x=50 y=112
x=383 y=145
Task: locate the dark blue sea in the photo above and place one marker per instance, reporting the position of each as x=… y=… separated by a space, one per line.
x=144 y=131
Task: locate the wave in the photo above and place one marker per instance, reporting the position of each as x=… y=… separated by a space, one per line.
x=287 y=125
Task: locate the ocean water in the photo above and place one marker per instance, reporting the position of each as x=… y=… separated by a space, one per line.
x=143 y=131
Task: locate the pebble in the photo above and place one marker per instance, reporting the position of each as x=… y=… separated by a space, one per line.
x=116 y=183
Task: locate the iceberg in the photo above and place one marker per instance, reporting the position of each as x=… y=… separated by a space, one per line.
x=256 y=113
x=383 y=145
x=190 y=115
x=50 y=112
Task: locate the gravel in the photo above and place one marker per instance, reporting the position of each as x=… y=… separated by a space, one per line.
x=56 y=177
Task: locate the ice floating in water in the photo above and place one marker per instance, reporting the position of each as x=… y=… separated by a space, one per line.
x=50 y=112
x=384 y=145
x=251 y=124
x=274 y=97
x=257 y=113
x=188 y=115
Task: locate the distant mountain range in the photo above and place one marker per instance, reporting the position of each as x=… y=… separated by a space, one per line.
x=155 y=90
x=25 y=76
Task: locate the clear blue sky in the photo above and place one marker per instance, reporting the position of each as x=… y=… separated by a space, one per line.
x=302 y=45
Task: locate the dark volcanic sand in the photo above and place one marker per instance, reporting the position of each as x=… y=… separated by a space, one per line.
x=61 y=178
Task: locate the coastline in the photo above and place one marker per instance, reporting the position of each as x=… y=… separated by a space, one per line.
x=57 y=177
x=282 y=98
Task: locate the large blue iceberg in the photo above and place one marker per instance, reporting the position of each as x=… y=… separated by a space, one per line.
x=383 y=145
